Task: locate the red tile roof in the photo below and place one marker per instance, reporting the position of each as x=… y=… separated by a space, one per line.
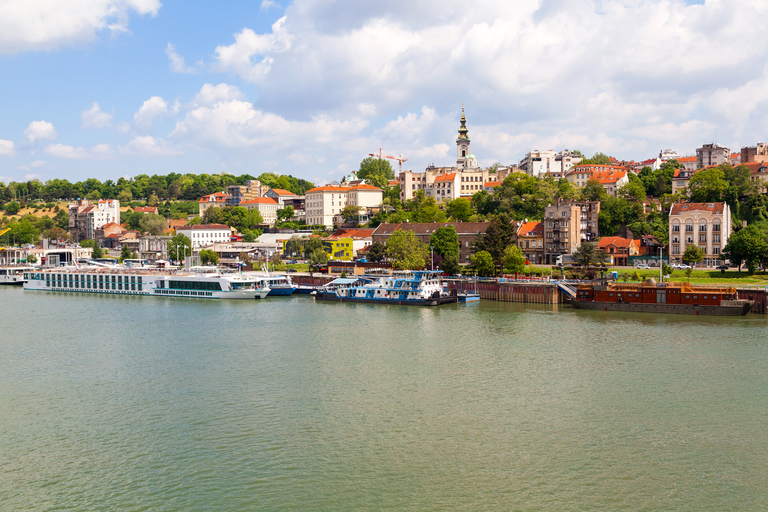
x=216 y=197
x=260 y=200
x=354 y=233
x=531 y=228
x=489 y=184
x=617 y=241
x=446 y=177
x=680 y=208
x=684 y=159
x=328 y=188
x=364 y=187
x=205 y=226
x=282 y=192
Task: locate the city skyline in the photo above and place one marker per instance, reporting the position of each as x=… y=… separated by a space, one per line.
x=124 y=87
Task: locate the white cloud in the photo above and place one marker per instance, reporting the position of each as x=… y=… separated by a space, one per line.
x=40 y=130
x=7 y=148
x=34 y=165
x=238 y=57
x=94 y=117
x=210 y=94
x=97 y=152
x=153 y=108
x=148 y=146
x=48 y=24
x=268 y=4
x=176 y=61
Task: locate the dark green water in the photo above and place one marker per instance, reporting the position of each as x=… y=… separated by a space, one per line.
x=131 y=404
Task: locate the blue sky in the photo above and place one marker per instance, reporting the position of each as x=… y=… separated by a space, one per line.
x=111 y=88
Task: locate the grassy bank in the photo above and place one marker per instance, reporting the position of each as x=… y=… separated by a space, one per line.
x=729 y=277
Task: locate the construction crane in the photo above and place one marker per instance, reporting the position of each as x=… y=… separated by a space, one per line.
x=399 y=159
x=4 y=231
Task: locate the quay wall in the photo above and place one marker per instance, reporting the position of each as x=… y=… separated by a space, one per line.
x=527 y=292
x=758 y=295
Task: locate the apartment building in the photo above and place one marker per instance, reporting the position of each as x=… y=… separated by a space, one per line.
x=530 y=239
x=323 y=204
x=215 y=200
x=202 y=235
x=562 y=234
x=86 y=217
x=248 y=191
x=707 y=225
x=712 y=154
x=538 y=163
x=266 y=206
x=611 y=177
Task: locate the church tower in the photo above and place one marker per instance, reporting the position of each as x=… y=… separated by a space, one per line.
x=465 y=160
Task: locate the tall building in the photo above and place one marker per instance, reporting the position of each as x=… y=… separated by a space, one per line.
x=566 y=225
x=537 y=163
x=712 y=154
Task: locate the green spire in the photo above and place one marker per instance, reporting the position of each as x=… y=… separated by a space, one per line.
x=463 y=131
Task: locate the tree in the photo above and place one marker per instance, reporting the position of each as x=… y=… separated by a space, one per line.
x=587 y=255
x=376 y=172
x=153 y=200
x=31 y=258
x=597 y=159
x=179 y=246
x=450 y=265
x=445 y=242
x=284 y=214
x=293 y=245
x=748 y=245
x=349 y=212
x=483 y=264
x=312 y=244
x=459 y=209
x=708 y=185
x=208 y=256
x=12 y=208
x=377 y=252
x=594 y=191
x=125 y=196
x=693 y=254
x=498 y=235
x=153 y=224
x=319 y=257
x=513 y=260
x=125 y=253
x=405 y=251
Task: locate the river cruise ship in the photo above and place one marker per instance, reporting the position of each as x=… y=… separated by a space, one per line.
x=653 y=297
x=13 y=275
x=159 y=283
x=418 y=288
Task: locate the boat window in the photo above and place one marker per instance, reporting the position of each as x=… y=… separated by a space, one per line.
x=695 y=297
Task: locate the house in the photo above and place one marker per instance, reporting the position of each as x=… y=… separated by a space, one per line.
x=202 y=235
x=566 y=225
x=712 y=154
x=468 y=233
x=619 y=248
x=266 y=206
x=282 y=196
x=707 y=225
x=216 y=200
x=611 y=177
x=146 y=209
x=758 y=174
x=153 y=247
x=537 y=163
x=530 y=239
x=324 y=204
x=237 y=194
x=680 y=180
x=688 y=162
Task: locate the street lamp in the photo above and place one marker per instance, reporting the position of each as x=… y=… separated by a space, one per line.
x=432 y=259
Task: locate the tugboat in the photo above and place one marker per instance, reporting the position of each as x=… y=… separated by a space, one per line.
x=418 y=288
x=653 y=297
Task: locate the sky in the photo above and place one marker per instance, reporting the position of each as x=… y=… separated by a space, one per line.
x=115 y=88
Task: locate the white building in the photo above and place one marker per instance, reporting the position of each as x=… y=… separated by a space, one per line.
x=538 y=163
x=266 y=206
x=322 y=204
x=86 y=217
x=205 y=234
x=707 y=225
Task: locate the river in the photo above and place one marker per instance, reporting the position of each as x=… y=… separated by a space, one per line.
x=142 y=403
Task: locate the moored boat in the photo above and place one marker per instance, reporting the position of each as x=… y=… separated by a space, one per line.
x=13 y=275
x=653 y=297
x=156 y=282
x=418 y=288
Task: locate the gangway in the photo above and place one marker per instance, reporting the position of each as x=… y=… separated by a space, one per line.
x=567 y=289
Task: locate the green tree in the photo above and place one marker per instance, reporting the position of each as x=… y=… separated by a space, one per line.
x=450 y=265
x=153 y=224
x=597 y=159
x=284 y=214
x=693 y=254
x=594 y=191
x=748 y=245
x=483 y=264
x=125 y=253
x=31 y=258
x=587 y=255
x=445 y=242
x=513 y=260
x=708 y=185
x=153 y=200
x=376 y=172
x=293 y=245
x=498 y=236
x=12 y=208
x=319 y=257
x=179 y=246
x=377 y=252
x=311 y=245
x=125 y=196
x=208 y=256
x=459 y=209
x=405 y=251
x=349 y=212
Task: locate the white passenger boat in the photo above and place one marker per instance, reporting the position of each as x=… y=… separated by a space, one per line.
x=13 y=275
x=160 y=283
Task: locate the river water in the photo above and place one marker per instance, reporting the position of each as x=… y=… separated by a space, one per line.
x=142 y=403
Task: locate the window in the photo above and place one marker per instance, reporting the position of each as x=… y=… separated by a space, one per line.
x=702 y=237
x=688 y=227
x=716 y=227
x=716 y=238
x=703 y=227
x=675 y=227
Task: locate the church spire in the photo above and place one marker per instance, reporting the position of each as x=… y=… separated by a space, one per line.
x=463 y=131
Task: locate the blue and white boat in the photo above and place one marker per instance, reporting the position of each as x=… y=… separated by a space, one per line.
x=279 y=284
x=418 y=288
